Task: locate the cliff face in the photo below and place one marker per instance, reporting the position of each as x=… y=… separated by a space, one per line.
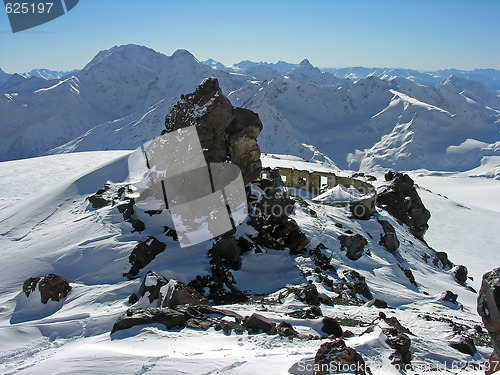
x=226 y=133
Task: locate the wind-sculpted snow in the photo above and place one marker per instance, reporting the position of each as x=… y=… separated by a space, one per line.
x=57 y=231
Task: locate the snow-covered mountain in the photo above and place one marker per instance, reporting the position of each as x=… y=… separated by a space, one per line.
x=119 y=99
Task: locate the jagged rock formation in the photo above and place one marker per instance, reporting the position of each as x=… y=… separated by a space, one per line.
x=401 y=200
x=488 y=306
x=51 y=287
x=225 y=132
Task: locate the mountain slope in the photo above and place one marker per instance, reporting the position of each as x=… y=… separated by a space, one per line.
x=358 y=124
x=57 y=231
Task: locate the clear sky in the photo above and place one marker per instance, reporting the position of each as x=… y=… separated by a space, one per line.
x=418 y=34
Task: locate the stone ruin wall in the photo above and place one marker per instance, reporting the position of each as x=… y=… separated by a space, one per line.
x=312 y=181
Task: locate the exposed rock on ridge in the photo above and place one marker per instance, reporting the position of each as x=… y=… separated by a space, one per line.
x=225 y=132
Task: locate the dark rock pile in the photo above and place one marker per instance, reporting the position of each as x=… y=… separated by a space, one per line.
x=401 y=200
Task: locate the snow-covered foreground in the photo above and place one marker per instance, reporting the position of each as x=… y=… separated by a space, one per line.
x=55 y=230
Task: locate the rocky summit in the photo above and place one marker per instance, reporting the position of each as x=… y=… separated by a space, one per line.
x=225 y=132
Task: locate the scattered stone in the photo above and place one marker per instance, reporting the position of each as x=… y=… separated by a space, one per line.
x=401 y=343
x=401 y=200
x=441 y=260
x=357 y=284
x=335 y=356
x=389 y=240
x=257 y=323
x=332 y=327
x=321 y=260
x=51 y=287
x=460 y=274
x=162 y=315
x=142 y=254
x=378 y=303
x=152 y=283
x=354 y=244
x=449 y=296
x=286 y=330
x=310 y=313
x=464 y=345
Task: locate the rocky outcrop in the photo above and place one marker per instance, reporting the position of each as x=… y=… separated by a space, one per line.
x=168 y=293
x=488 y=306
x=142 y=254
x=441 y=260
x=354 y=244
x=335 y=357
x=51 y=287
x=225 y=132
x=388 y=240
x=401 y=200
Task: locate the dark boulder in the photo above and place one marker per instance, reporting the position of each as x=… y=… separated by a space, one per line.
x=182 y=294
x=464 y=345
x=401 y=200
x=256 y=323
x=142 y=254
x=354 y=244
x=449 y=296
x=51 y=287
x=227 y=249
x=388 y=240
x=152 y=284
x=460 y=274
x=332 y=327
x=286 y=330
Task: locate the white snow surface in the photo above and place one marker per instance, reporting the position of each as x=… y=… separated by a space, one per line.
x=54 y=230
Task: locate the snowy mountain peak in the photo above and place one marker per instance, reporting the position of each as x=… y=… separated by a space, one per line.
x=183 y=54
x=306 y=64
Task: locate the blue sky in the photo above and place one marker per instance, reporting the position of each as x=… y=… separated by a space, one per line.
x=424 y=34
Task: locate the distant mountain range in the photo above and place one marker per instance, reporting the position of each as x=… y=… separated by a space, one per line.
x=120 y=99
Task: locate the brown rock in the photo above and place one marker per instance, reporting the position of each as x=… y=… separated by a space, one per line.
x=225 y=132
x=142 y=254
x=257 y=323
x=335 y=357
x=51 y=287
